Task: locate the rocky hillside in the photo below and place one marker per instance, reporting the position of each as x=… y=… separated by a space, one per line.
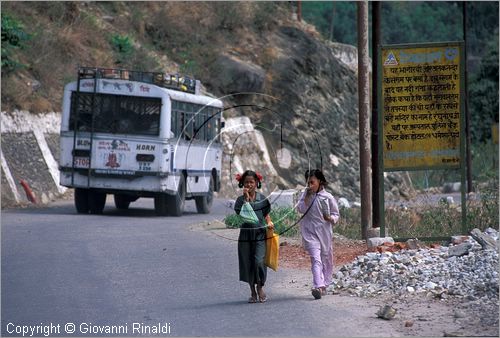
x=297 y=91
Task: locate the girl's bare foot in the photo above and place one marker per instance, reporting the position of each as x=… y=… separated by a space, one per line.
x=253 y=296
x=262 y=294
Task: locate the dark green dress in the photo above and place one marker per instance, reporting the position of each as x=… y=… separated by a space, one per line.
x=251 y=242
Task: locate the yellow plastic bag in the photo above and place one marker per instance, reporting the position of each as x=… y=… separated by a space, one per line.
x=272 y=249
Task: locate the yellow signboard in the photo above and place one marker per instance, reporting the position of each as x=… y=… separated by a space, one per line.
x=421 y=112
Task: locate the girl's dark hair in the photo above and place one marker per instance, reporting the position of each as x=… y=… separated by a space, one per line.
x=316 y=173
x=251 y=173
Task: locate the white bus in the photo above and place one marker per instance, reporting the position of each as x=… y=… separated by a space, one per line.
x=139 y=134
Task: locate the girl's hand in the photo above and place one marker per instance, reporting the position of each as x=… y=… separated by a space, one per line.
x=269 y=222
x=246 y=194
x=270 y=225
x=328 y=218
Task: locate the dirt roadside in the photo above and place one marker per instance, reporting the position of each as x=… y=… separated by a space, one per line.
x=416 y=315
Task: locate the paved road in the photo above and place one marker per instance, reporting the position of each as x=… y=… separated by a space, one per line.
x=131 y=269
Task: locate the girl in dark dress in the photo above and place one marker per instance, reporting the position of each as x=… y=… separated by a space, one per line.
x=252 y=238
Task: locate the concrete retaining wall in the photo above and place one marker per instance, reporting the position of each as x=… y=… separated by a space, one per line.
x=29 y=151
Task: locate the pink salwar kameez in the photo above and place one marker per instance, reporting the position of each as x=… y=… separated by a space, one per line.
x=317 y=235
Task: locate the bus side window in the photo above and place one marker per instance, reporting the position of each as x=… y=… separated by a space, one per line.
x=217 y=127
x=188 y=131
x=182 y=123
x=174 y=122
x=176 y=119
x=210 y=124
x=200 y=125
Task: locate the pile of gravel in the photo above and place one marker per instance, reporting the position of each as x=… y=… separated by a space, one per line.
x=470 y=273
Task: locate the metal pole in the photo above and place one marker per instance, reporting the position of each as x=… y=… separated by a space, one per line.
x=462 y=143
x=364 y=117
x=375 y=133
x=299 y=11
x=467 y=115
x=331 y=23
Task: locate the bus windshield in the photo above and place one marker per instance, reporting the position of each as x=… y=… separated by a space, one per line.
x=115 y=114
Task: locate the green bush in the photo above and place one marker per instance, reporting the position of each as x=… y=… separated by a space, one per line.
x=123 y=47
x=484 y=212
x=233 y=221
x=445 y=219
x=285 y=221
x=13 y=37
x=349 y=224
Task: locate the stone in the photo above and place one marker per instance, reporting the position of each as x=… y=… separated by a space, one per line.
x=356 y=205
x=375 y=232
x=459 y=314
x=408 y=323
x=235 y=75
x=343 y=203
x=35 y=85
x=430 y=285
x=44 y=198
x=492 y=233
x=458 y=239
x=486 y=241
x=459 y=250
x=377 y=241
x=386 y=312
x=427 y=271
x=413 y=244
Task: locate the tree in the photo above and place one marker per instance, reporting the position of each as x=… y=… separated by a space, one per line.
x=483 y=94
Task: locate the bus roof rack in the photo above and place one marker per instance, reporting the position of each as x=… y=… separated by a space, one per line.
x=169 y=81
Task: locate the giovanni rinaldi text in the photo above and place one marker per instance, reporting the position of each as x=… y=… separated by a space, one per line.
x=87 y=328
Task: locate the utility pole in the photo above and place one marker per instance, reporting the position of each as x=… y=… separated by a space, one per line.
x=376 y=38
x=299 y=11
x=364 y=118
x=467 y=115
x=331 y=23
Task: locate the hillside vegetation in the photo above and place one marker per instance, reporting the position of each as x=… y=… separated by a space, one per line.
x=48 y=40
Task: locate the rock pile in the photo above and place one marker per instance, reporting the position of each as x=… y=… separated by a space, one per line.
x=470 y=273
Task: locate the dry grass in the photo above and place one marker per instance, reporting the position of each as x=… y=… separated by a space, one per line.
x=40 y=105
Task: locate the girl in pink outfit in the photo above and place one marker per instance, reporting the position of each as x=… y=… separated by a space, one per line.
x=320 y=211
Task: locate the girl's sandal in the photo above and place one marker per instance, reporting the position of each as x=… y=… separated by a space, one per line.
x=263 y=299
x=252 y=300
x=316 y=293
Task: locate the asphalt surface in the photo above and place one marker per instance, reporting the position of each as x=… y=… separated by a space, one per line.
x=139 y=274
